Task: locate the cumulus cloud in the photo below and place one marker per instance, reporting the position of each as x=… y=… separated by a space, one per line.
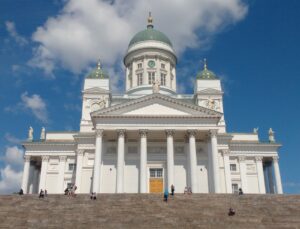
x=35 y=104
x=11 y=29
x=11 y=174
x=84 y=31
x=10 y=180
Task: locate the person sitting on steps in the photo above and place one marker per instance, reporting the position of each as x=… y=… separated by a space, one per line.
x=241 y=191
x=41 y=194
x=21 y=192
x=231 y=212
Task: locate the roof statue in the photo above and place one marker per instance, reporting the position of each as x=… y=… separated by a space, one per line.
x=271 y=135
x=255 y=130
x=30 y=134
x=43 y=134
x=156 y=86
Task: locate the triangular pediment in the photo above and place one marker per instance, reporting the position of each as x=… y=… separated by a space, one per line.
x=96 y=90
x=157 y=105
x=210 y=91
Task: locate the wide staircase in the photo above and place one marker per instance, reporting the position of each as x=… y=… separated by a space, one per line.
x=149 y=211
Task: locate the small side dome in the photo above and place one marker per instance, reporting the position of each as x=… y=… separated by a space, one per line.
x=206 y=74
x=150 y=34
x=98 y=73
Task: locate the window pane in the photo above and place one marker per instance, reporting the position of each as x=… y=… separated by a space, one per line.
x=159 y=173
x=152 y=172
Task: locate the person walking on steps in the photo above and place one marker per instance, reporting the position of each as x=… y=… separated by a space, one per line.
x=166 y=195
x=172 y=189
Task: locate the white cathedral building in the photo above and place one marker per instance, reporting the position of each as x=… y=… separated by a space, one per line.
x=151 y=137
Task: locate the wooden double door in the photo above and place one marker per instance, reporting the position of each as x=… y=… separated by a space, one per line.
x=156 y=180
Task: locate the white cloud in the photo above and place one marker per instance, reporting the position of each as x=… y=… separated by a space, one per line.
x=12 y=139
x=14 y=156
x=83 y=31
x=11 y=29
x=10 y=180
x=36 y=105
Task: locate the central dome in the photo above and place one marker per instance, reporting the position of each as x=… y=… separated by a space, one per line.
x=150 y=34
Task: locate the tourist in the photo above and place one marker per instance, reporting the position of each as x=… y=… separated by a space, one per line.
x=172 y=189
x=93 y=196
x=66 y=191
x=166 y=195
x=185 y=190
x=41 y=194
x=21 y=192
x=231 y=212
x=241 y=191
x=73 y=190
x=46 y=193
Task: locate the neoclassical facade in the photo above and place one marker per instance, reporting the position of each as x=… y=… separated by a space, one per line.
x=151 y=137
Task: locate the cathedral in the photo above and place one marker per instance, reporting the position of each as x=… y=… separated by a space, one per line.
x=151 y=137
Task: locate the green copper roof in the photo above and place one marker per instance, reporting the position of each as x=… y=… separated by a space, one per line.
x=150 y=34
x=206 y=74
x=98 y=73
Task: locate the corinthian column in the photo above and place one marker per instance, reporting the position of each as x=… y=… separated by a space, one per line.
x=26 y=170
x=79 y=169
x=193 y=160
x=243 y=173
x=277 y=175
x=121 y=161
x=170 y=157
x=97 y=161
x=214 y=160
x=61 y=174
x=227 y=171
x=43 y=175
x=260 y=174
x=143 y=161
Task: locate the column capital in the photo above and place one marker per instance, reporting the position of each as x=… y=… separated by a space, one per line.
x=169 y=132
x=191 y=132
x=121 y=132
x=275 y=158
x=225 y=152
x=27 y=158
x=242 y=158
x=62 y=158
x=259 y=158
x=213 y=133
x=99 y=132
x=143 y=133
x=45 y=158
x=80 y=152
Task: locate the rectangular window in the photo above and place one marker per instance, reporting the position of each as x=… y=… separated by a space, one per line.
x=156 y=173
x=140 y=79
x=72 y=166
x=163 y=66
x=235 y=188
x=151 y=77
x=233 y=167
x=140 y=65
x=163 y=79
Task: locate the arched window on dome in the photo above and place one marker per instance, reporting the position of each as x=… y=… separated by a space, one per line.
x=151 y=77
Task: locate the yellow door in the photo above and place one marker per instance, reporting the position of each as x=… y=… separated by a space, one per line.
x=156 y=185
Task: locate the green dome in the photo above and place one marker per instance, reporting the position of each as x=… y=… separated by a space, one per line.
x=150 y=34
x=98 y=73
x=206 y=74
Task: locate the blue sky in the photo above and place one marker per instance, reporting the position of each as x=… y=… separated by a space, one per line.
x=46 y=48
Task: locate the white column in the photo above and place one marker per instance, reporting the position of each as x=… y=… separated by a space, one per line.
x=193 y=160
x=43 y=175
x=227 y=171
x=243 y=173
x=277 y=175
x=260 y=175
x=36 y=181
x=188 y=164
x=121 y=161
x=143 y=161
x=170 y=158
x=97 y=161
x=79 y=169
x=25 y=178
x=31 y=181
x=61 y=174
x=215 y=160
